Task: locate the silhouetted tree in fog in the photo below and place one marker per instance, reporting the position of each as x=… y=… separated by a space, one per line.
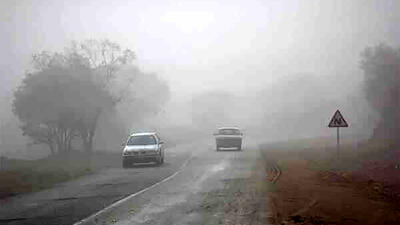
x=69 y=92
x=55 y=102
x=66 y=94
x=381 y=66
x=105 y=58
x=142 y=95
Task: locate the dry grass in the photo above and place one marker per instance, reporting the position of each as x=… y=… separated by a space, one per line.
x=318 y=187
x=22 y=176
x=323 y=155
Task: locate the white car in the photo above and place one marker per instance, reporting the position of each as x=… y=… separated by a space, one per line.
x=143 y=148
x=229 y=137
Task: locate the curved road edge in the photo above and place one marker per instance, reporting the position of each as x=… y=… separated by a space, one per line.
x=106 y=211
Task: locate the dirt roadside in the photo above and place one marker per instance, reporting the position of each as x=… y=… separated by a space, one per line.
x=310 y=190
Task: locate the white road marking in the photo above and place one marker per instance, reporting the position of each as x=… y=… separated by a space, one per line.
x=144 y=215
x=122 y=201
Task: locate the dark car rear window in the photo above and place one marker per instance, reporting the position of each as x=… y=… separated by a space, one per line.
x=229 y=131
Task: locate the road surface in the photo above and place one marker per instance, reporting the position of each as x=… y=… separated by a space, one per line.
x=196 y=185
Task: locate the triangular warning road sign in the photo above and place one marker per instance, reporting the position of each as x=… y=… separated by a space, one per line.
x=338 y=120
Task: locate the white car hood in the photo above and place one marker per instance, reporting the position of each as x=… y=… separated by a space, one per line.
x=140 y=147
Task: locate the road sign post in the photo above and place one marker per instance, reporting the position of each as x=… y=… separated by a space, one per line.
x=337 y=142
x=337 y=121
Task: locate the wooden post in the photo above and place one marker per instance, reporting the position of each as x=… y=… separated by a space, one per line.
x=1 y=162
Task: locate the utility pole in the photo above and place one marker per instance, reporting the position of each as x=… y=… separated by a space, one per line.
x=1 y=146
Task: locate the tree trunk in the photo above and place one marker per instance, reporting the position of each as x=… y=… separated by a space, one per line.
x=51 y=147
x=58 y=143
x=61 y=141
x=90 y=132
x=88 y=141
x=69 y=143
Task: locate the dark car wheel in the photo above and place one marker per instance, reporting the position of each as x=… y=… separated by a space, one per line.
x=160 y=162
x=126 y=163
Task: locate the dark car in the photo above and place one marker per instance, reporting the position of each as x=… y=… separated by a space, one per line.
x=229 y=137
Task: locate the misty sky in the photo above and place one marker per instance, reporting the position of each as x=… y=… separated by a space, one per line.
x=259 y=50
x=199 y=45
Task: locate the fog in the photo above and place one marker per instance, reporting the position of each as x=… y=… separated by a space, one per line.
x=277 y=69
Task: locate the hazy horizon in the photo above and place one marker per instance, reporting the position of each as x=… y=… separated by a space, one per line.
x=238 y=47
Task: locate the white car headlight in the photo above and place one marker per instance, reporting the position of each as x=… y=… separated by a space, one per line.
x=126 y=152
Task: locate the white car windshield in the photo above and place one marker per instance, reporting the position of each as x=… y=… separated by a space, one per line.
x=142 y=140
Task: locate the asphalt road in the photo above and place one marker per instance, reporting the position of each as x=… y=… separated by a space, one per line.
x=179 y=192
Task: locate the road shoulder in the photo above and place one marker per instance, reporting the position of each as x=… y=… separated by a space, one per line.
x=308 y=194
x=241 y=200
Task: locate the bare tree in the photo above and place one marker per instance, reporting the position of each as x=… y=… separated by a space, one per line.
x=106 y=58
